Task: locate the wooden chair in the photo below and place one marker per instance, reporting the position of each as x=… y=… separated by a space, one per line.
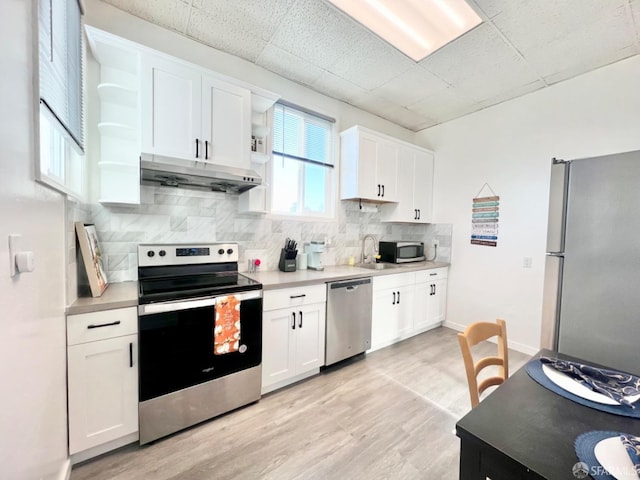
x=474 y=334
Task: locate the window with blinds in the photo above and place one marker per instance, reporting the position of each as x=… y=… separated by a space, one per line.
x=302 y=179
x=60 y=52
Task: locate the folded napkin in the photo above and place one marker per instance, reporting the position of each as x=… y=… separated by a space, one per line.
x=615 y=385
x=632 y=445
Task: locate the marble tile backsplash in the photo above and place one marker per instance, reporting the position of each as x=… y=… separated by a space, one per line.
x=169 y=215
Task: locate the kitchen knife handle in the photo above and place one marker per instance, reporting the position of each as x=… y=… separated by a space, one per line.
x=197 y=148
x=394 y=298
x=293 y=324
x=300 y=322
x=117 y=322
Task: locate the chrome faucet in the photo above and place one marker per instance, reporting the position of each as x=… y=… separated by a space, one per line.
x=366 y=258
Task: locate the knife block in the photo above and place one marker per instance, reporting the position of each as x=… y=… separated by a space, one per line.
x=286 y=264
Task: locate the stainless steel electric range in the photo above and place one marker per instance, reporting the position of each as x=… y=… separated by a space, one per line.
x=200 y=336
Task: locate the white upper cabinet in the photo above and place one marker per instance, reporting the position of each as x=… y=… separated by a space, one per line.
x=193 y=116
x=368 y=166
x=171 y=108
x=415 y=187
x=226 y=123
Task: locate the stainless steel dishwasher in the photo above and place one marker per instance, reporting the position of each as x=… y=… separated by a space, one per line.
x=349 y=307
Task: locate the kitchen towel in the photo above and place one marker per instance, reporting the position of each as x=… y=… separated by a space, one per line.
x=226 y=328
x=613 y=384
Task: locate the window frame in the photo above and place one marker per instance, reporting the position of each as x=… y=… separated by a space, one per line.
x=331 y=175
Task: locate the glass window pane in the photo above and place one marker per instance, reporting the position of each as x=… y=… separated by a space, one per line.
x=314 y=188
x=285 y=181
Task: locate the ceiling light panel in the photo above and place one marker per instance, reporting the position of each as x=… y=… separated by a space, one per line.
x=415 y=27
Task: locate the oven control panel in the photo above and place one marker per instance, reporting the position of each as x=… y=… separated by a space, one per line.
x=184 y=254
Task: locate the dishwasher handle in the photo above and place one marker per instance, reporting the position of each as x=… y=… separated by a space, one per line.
x=350 y=285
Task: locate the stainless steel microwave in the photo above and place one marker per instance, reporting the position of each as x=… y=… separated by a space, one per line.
x=401 y=252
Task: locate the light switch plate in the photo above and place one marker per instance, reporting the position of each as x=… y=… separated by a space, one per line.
x=13 y=249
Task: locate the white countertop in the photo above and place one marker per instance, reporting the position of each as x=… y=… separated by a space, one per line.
x=125 y=294
x=272 y=280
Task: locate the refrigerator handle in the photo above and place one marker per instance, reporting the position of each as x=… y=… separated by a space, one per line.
x=558 y=190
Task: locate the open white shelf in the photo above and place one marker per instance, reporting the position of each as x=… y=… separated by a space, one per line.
x=118 y=94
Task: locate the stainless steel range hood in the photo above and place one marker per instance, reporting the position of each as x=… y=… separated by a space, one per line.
x=195 y=175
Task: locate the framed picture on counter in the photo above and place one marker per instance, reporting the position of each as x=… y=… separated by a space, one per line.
x=92 y=258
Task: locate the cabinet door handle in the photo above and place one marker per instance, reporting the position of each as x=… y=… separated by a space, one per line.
x=298 y=296
x=378 y=189
x=130 y=354
x=418 y=214
x=197 y=148
x=206 y=149
x=383 y=190
x=300 y=322
x=117 y=322
x=398 y=297
x=293 y=324
x=394 y=298
x=434 y=289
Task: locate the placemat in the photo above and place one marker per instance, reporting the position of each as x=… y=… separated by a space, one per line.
x=584 y=446
x=534 y=369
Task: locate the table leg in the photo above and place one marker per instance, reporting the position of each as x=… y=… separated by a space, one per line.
x=470 y=461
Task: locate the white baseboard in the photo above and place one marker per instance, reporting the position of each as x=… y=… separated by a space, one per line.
x=518 y=347
x=65 y=470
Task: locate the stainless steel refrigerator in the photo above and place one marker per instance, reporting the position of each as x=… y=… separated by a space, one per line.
x=591 y=305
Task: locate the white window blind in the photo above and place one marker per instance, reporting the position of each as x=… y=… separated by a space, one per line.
x=60 y=61
x=302 y=170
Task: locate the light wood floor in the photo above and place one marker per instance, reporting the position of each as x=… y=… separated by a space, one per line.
x=390 y=415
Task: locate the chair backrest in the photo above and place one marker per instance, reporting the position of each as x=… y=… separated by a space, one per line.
x=474 y=334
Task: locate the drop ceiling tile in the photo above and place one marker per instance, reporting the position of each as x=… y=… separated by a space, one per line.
x=411 y=86
x=569 y=36
x=408 y=118
x=513 y=93
x=491 y=8
x=444 y=106
x=336 y=87
x=224 y=36
x=482 y=63
x=259 y=18
x=288 y=65
x=371 y=62
x=316 y=32
x=171 y=14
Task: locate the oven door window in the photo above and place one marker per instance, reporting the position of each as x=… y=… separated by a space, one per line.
x=177 y=348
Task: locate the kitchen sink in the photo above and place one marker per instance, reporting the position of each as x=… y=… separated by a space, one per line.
x=376 y=266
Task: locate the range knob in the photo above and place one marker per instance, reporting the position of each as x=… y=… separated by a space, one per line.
x=162 y=253
x=221 y=251
x=150 y=253
x=230 y=251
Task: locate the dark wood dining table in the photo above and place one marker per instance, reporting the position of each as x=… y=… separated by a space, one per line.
x=522 y=430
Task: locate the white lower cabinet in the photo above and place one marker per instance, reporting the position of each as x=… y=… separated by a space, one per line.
x=293 y=335
x=405 y=304
x=431 y=298
x=102 y=367
x=393 y=308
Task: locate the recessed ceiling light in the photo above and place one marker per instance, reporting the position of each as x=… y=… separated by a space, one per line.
x=415 y=27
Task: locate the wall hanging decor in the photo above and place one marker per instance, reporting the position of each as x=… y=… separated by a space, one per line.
x=485 y=212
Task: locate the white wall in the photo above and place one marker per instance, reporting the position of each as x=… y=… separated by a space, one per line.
x=33 y=418
x=510 y=147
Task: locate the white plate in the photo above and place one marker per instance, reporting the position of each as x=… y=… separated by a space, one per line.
x=570 y=385
x=614 y=457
